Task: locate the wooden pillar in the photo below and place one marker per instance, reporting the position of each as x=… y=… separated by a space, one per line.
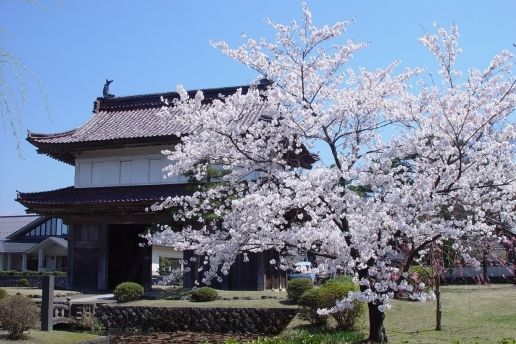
x=102 y=242
x=47 y=303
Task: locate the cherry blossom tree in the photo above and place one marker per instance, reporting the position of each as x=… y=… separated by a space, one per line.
x=353 y=166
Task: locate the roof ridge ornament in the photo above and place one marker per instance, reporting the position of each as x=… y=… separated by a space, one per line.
x=105 y=90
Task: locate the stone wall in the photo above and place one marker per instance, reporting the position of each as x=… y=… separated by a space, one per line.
x=221 y=320
x=35 y=281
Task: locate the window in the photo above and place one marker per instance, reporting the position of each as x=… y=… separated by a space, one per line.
x=64 y=229
x=51 y=227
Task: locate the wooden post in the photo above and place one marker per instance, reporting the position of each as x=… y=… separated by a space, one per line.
x=47 y=303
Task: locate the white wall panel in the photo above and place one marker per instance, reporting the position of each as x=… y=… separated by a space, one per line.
x=140 y=171
x=97 y=172
x=111 y=173
x=155 y=170
x=123 y=170
x=84 y=173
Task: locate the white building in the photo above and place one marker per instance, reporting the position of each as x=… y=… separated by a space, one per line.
x=32 y=242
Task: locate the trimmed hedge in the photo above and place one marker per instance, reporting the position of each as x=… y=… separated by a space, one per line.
x=204 y=294
x=60 y=282
x=297 y=287
x=29 y=273
x=3 y=293
x=128 y=291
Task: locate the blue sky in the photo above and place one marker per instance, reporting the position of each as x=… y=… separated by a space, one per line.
x=151 y=46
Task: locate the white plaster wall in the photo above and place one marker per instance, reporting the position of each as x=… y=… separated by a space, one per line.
x=162 y=251
x=123 y=167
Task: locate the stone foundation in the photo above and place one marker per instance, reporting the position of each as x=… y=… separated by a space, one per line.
x=219 y=320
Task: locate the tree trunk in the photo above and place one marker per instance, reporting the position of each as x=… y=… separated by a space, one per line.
x=438 y=312
x=485 y=277
x=376 y=328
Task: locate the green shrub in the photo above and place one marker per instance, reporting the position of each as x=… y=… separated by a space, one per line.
x=24 y=283
x=423 y=274
x=326 y=297
x=3 y=293
x=204 y=294
x=337 y=290
x=298 y=287
x=128 y=291
x=88 y=322
x=310 y=302
x=17 y=315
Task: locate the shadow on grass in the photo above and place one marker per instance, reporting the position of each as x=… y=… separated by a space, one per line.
x=6 y=337
x=168 y=294
x=287 y=302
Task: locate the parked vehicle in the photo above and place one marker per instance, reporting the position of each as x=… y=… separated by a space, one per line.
x=302 y=270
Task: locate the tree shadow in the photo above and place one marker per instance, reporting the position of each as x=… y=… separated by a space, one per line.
x=287 y=302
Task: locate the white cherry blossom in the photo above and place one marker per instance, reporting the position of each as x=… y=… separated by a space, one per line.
x=396 y=168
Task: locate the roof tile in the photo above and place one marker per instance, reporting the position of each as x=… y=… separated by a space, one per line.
x=72 y=196
x=10 y=224
x=132 y=117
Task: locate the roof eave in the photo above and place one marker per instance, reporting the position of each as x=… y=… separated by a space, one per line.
x=66 y=152
x=44 y=242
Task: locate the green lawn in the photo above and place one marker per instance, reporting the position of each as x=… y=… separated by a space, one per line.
x=54 y=337
x=471 y=314
x=36 y=292
x=251 y=299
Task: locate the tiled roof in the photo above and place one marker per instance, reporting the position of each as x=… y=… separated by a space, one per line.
x=103 y=199
x=10 y=224
x=15 y=247
x=126 y=120
x=116 y=124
